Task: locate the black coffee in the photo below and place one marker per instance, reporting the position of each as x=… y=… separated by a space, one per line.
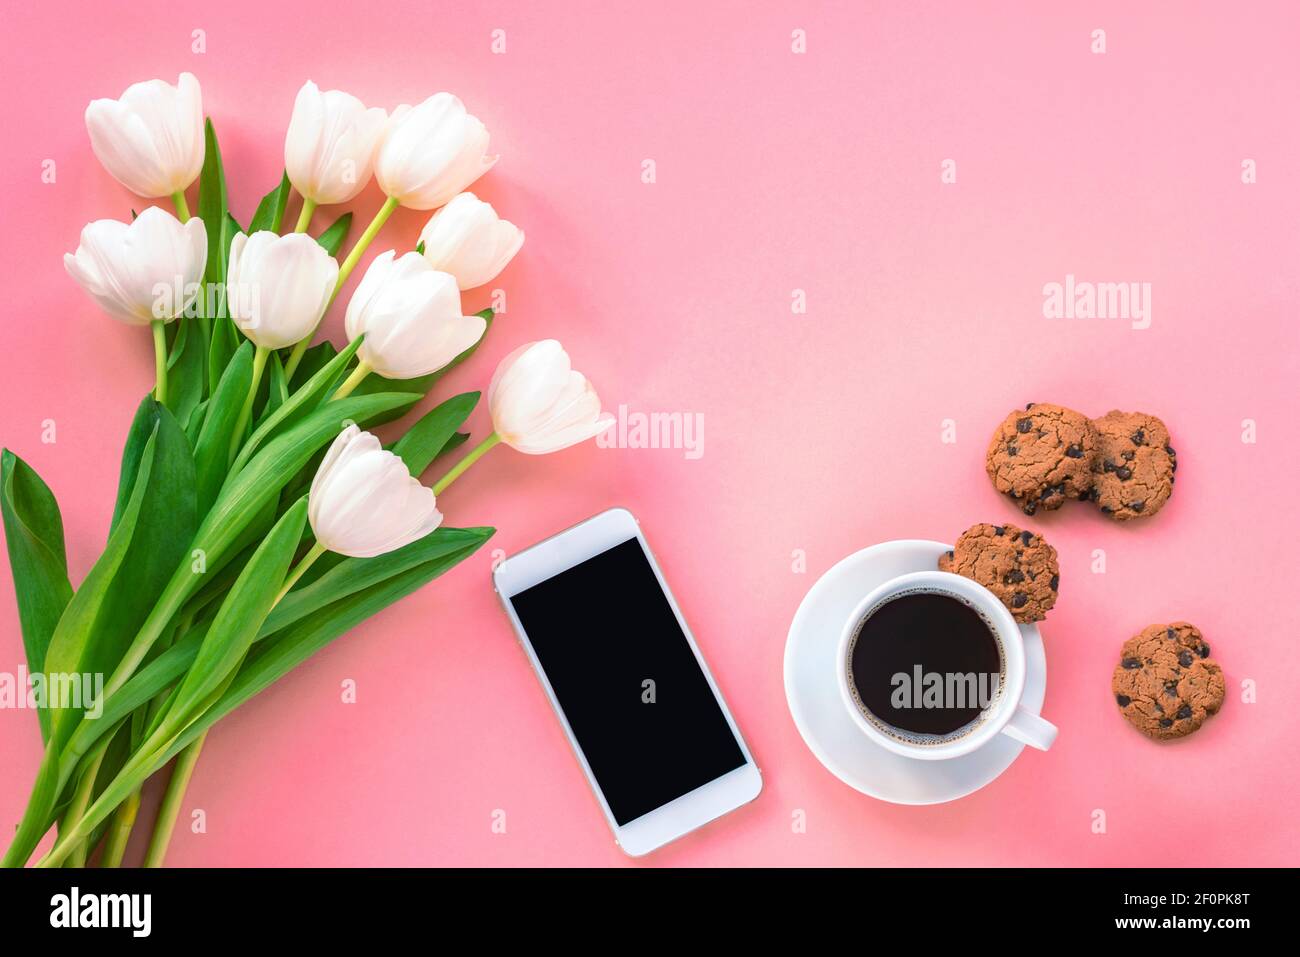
x=925 y=663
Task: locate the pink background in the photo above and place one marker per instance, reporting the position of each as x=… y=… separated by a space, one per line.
x=775 y=172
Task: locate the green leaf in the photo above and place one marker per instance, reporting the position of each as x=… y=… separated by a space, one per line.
x=185 y=369
x=239 y=618
x=313 y=360
x=212 y=450
x=195 y=423
x=352 y=575
x=229 y=230
x=270 y=211
x=214 y=210
x=146 y=684
x=225 y=341
x=152 y=535
x=426 y=439
x=34 y=536
x=332 y=238
x=298 y=404
x=277 y=389
x=213 y=205
x=277 y=656
x=142 y=427
x=419 y=247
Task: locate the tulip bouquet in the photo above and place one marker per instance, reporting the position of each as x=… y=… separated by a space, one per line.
x=255 y=519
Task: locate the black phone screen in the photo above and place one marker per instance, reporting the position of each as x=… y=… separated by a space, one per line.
x=627 y=680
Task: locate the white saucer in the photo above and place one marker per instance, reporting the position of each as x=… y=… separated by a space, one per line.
x=819 y=711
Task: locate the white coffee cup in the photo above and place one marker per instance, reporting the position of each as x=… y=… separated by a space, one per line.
x=1004 y=713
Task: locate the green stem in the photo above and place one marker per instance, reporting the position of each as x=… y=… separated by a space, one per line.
x=160 y=360
x=81 y=800
x=463 y=465
x=119 y=831
x=316 y=551
x=260 y=356
x=138 y=767
x=351 y=382
x=182 y=208
x=304 y=218
x=165 y=822
x=366 y=239
x=183 y=770
x=145 y=761
x=35 y=820
x=345 y=270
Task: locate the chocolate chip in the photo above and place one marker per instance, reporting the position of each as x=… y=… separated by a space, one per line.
x=1170 y=633
x=1123 y=700
x=1124 y=474
x=999 y=530
x=1029 y=508
x=1012 y=450
x=1169 y=450
x=1185 y=659
x=1023 y=425
x=1019 y=600
x=1074 y=452
x=1173 y=467
x=1055 y=583
x=1165 y=722
x=950 y=553
x=1127 y=455
x=1013 y=577
x=1030 y=405
x=1108 y=466
x=1171 y=688
x=1026 y=537
x=1204 y=651
x=1107 y=510
x=1183 y=713
x=1139 y=437
x=1137 y=506
x=1131 y=664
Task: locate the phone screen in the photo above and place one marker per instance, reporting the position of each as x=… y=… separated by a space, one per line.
x=628 y=681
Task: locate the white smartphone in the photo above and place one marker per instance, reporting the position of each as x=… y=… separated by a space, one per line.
x=614 y=654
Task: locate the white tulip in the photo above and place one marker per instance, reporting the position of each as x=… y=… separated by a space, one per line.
x=540 y=404
x=151 y=139
x=364 y=502
x=329 y=151
x=431 y=152
x=469 y=240
x=278 y=287
x=410 y=314
x=143 y=271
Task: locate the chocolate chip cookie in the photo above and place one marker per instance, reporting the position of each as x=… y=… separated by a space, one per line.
x=1166 y=684
x=1043 y=456
x=1134 y=470
x=1017 y=566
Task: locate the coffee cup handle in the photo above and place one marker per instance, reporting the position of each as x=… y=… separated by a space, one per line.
x=1028 y=728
